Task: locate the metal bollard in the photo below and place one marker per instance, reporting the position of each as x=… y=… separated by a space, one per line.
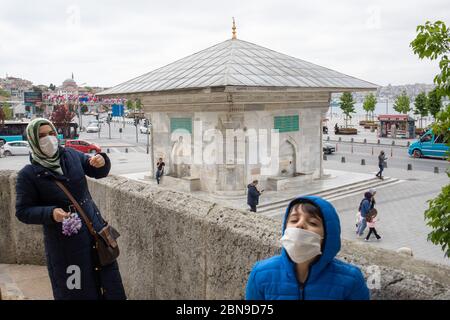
x=436 y=169
x=363 y=162
x=351 y=140
x=328 y=138
x=324 y=157
x=393 y=142
x=365 y=140
x=340 y=139
x=126 y=150
x=343 y=159
x=378 y=142
x=409 y=167
x=107 y=150
x=408 y=144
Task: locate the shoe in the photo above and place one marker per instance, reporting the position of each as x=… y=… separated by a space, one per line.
x=379 y=238
x=366 y=239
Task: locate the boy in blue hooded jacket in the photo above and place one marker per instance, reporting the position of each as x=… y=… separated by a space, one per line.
x=307 y=268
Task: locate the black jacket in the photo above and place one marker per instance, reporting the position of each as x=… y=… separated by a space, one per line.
x=252 y=195
x=38 y=195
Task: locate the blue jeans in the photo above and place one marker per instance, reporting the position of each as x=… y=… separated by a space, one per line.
x=159 y=173
x=362 y=226
x=380 y=173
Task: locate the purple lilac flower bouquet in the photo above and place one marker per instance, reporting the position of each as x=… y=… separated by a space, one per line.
x=71 y=225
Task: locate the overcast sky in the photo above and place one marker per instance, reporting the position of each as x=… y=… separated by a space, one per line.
x=105 y=43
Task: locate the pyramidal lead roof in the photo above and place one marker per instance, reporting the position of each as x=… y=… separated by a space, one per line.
x=239 y=63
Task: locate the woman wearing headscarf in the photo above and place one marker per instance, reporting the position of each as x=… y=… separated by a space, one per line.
x=73 y=266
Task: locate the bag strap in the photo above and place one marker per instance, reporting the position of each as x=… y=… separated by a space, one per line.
x=78 y=207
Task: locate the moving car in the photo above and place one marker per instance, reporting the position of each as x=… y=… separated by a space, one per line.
x=16 y=148
x=429 y=145
x=93 y=127
x=83 y=146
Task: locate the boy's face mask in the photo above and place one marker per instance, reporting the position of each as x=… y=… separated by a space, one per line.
x=301 y=245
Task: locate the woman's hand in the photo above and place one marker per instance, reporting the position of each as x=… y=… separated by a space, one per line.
x=59 y=214
x=97 y=161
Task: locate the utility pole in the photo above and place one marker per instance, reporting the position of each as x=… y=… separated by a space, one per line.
x=109 y=124
x=153 y=151
x=136 y=125
x=147 y=132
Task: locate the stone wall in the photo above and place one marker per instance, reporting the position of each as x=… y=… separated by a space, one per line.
x=174 y=246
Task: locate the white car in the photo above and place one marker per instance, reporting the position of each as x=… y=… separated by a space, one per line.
x=93 y=127
x=16 y=148
x=144 y=129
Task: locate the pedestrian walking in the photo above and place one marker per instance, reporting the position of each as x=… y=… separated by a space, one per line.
x=372 y=205
x=364 y=209
x=159 y=169
x=69 y=243
x=253 y=195
x=381 y=164
x=307 y=268
x=371 y=220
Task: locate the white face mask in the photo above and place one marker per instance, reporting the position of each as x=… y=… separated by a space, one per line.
x=49 y=145
x=301 y=245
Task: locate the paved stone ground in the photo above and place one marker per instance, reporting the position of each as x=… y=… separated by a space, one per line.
x=25 y=282
x=401 y=210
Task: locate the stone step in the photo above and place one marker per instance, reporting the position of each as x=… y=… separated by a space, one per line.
x=265 y=206
x=275 y=208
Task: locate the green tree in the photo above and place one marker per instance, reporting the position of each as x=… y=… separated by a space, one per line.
x=421 y=106
x=437 y=215
x=52 y=87
x=433 y=42
x=347 y=105
x=370 y=101
x=130 y=105
x=434 y=102
x=4 y=93
x=402 y=103
x=138 y=104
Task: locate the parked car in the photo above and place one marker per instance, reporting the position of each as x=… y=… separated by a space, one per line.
x=16 y=148
x=93 y=127
x=328 y=148
x=83 y=146
x=429 y=145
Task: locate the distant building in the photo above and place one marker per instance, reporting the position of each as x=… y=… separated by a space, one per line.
x=69 y=86
x=16 y=86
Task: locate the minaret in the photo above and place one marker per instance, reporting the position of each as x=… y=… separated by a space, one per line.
x=234 y=30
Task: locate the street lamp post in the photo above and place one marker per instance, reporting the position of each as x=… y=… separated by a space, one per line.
x=153 y=151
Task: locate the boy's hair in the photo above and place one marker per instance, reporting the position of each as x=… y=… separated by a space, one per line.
x=308 y=208
x=372 y=214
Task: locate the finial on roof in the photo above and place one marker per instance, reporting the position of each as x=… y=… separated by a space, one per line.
x=234 y=29
x=72 y=75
